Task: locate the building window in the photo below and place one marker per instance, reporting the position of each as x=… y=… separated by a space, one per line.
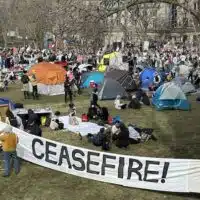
x=174 y=16
x=195 y=6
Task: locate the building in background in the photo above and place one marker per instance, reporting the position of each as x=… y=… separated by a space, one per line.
x=155 y=22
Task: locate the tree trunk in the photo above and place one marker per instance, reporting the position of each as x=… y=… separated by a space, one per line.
x=35 y=44
x=5 y=39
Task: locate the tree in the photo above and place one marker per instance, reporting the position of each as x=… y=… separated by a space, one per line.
x=33 y=19
x=7 y=18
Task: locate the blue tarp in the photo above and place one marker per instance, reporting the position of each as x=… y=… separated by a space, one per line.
x=170 y=96
x=6 y=101
x=148 y=72
x=97 y=77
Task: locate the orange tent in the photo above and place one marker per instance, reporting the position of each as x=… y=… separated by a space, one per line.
x=48 y=74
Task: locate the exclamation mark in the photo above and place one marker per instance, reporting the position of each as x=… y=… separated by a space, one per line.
x=165 y=170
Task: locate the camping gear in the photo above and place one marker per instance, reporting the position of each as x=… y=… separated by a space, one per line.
x=184 y=84
x=116 y=119
x=170 y=96
x=83 y=128
x=124 y=78
x=147 y=73
x=50 y=78
x=188 y=88
x=7 y=102
x=96 y=77
x=19 y=105
x=23 y=113
x=84 y=118
x=60 y=126
x=111 y=89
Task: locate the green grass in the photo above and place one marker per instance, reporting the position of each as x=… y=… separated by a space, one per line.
x=178 y=137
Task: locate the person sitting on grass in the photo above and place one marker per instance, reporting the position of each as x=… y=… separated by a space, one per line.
x=134 y=103
x=118 y=104
x=104 y=114
x=98 y=138
x=33 y=124
x=72 y=115
x=54 y=125
x=121 y=138
x=11 y=119
x=142 y=97
x=92 y=113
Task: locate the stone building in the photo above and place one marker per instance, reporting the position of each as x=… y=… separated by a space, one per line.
x=155 y=22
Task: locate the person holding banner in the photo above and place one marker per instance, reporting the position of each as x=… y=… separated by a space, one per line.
x=9 y=144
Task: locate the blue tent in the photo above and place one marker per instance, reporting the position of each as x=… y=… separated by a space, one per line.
x=5 y=101
x=170 y=96
x=97 y=77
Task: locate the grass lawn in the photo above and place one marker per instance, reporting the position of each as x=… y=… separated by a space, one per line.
x=178 y=137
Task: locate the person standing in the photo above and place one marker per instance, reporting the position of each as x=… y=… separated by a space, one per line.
x=68 y=89
x=77 y=77
x=33 y=81
x=94 y=97
x=9 y=143
x=25 y=82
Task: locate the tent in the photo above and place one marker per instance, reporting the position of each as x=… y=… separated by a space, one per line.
x=170 y=96
x=127 y=82
x=124 y=78
x=147 y=73
x=115 y=74
x=110 y=89
x=50 y=78
x=188 y=88
x=184 y=84
x=97 y=77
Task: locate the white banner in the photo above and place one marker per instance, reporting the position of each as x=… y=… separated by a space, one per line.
x=172 y=175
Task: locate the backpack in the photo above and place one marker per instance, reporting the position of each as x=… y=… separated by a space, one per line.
x=60 y=126
x=84 y=118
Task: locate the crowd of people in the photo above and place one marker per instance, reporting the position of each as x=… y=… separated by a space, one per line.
x=114 y=131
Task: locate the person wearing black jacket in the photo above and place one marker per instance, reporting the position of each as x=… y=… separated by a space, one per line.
x=68 y=89
x=77 y=77
x=25 y=82
x=122 y=138
x=94 y=98
x=33 y=124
